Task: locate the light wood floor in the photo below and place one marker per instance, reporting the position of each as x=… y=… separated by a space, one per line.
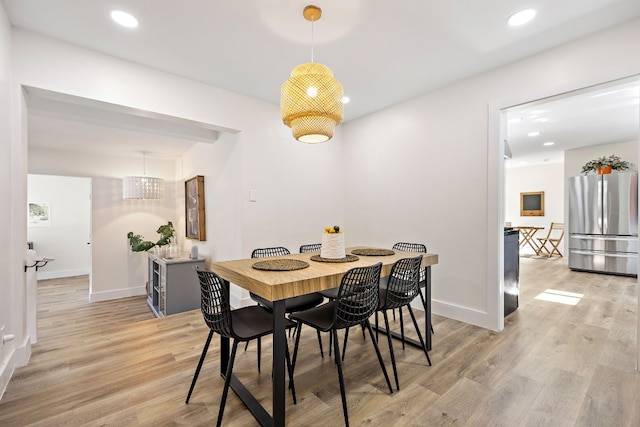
x=112 y=363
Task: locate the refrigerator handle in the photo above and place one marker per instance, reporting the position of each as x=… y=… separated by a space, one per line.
x=604 y=226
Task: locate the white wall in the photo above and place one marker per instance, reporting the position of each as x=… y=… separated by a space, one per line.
x=548 y=178
x=433 y=166
x=112 y=217
x=11 y=297
x=299 y=186
x=68 y=231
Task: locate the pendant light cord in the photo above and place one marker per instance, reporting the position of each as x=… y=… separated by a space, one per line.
x=312 y=40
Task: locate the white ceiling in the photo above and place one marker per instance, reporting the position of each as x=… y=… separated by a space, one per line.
x=604 y=114
x=382 y=52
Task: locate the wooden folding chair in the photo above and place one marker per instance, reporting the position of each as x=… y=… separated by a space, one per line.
x=554 y=237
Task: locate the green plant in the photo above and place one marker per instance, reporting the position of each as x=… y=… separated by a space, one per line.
x=616 y=163
x=138 y=244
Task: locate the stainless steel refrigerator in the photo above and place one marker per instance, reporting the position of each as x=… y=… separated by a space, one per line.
x=603 y=223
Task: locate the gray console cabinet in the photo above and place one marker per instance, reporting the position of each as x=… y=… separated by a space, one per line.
x=173 y=284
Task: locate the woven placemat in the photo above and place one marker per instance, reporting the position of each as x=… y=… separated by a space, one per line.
x=372 y=252
x=348 y=258
x=280 y=265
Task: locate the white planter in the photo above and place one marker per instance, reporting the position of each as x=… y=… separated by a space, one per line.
x=333 y=246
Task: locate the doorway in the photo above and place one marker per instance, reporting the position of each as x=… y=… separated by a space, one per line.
x=499 y=132
x=59 y=227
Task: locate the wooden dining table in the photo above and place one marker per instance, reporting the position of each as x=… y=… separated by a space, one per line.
x=528 y=232
x=276 y=286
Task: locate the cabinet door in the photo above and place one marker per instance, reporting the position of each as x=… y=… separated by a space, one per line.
x=163 y=291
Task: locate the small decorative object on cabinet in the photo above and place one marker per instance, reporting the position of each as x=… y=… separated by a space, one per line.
x=173 y=284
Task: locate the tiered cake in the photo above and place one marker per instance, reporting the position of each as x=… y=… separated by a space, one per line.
x=333 y=243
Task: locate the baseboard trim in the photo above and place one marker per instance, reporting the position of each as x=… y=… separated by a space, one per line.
x=462 y=314
x=117 y=293
x=57 y=274
x=18 y=356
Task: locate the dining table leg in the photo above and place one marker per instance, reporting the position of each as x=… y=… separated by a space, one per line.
x=427 y=314
x=256 y=409
x=279 y=352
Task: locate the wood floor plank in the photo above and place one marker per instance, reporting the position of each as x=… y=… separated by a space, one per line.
x=612 y=398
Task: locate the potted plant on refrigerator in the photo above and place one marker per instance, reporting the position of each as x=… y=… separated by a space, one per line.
x=604 y=165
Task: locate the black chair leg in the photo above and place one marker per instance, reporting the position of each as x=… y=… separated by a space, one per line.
x=259 y=352
x=292 y=387
x=401 y=327
x=375 y=345
x=202 y=356
x=393 y=357
x=344 y=344
x=336 y=350
x=424 y=304
x=227 y=380
x=246 y=345
x=320 y=344
x=415 y=324
x=295 y=348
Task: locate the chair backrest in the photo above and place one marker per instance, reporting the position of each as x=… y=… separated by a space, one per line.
x=413 y=247
x=357 y=296
x=313 y=247
x=556 y=231
x=266 y=252
x=403 y=285
x=214 y=303
x=410 y=247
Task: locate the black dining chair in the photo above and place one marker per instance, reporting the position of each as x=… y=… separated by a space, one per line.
x=402 y=287
x=413 y=247
x=243 y=324
x=357 y=300
x=291 y=305
x=312 y=247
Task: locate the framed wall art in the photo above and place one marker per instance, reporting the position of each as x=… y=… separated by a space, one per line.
x=39 y=214
x=194 y=208
x=532 y=203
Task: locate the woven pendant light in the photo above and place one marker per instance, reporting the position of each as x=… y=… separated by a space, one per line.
x=311 y=100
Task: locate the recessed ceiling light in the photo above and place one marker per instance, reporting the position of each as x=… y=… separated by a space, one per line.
x=345 y=99
x=548 y=143
x=516 y=120
x=521 y=18
x=533 y=134
x=125 y=19
x=542 y=120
